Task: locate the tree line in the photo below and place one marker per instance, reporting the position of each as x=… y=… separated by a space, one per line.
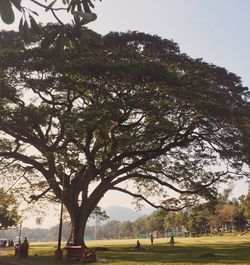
x=210 y=218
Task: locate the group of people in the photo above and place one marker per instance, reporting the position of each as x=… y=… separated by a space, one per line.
x=139 y=247
x=21 y=249
x=6 y=243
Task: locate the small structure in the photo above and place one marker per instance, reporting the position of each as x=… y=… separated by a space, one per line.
x=21 y=250
x=80 y=253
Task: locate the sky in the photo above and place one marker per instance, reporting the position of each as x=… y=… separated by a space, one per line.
x=215 y=30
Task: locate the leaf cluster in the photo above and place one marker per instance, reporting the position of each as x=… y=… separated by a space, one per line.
x=80 y=10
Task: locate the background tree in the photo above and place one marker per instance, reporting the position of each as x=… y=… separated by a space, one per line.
x=245 y=207
x=125 y=107
x=227 y=213
x=140 y=227
x=176 y=221
x=156 y=222
x=199 y=220
x=224 y=196
x=219 y=215
x=240 y=222
x=126 y=229
x=110 y=230
x=9 y=216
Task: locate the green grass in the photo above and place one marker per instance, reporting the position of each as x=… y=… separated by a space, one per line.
x=201 y=250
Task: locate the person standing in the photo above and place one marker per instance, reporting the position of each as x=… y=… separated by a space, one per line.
x=26 y=242
x=171 y=241
x=25 y=248
x=152 y=239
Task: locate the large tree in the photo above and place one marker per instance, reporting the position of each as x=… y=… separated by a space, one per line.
x=124 y=107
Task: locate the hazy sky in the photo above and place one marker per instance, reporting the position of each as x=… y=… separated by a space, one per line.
x=216 y=30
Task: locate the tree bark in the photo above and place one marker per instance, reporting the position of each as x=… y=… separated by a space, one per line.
x=79 y=220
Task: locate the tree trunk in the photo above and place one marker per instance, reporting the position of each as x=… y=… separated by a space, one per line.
x=78 y=224
x=79 y=215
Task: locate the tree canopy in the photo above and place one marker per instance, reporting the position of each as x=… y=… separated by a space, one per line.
x=124 y=107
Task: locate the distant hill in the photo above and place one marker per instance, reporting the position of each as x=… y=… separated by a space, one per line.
x=122 y=214
x=126 y=214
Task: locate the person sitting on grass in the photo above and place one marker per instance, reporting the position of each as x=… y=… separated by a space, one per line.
x=138 y=246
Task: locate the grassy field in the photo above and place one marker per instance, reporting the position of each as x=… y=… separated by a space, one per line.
x=201 y=250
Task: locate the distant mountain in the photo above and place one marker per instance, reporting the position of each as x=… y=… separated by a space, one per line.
x=122 y=214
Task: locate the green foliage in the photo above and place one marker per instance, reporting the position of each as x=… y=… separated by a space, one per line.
x=208 y=218
x=217 y=216
x=140 y=226
x=227 y=212
x=80 y=10
x=245 y=208
x=126 y=230
x=156 y=221
x=6 y=12
x=199 y=220
x=176 y=221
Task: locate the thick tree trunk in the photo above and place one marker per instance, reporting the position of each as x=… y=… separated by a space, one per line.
x=79 y=215
x=78 y=225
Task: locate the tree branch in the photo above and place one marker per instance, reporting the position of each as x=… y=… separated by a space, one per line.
x=153 y=153
x=37 y=197
x=44 y=6
x=27 y=160
x=163 y=183
x=139 y=196
x=56 y=17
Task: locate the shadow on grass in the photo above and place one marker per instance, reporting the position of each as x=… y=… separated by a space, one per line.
x=158 y=254
x=182 y=254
